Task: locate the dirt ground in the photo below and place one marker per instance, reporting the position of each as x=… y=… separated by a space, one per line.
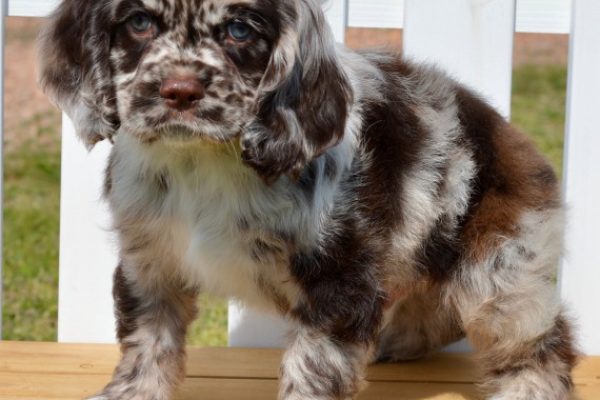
x=26 y=107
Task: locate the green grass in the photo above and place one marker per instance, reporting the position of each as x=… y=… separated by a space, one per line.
x=538 y=107
x=32 y=178
x=31 y=210
x=210 y=329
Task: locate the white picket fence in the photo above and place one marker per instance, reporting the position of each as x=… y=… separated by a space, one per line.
x=473 y=39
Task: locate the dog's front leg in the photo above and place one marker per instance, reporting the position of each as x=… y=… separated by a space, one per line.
x=338 y=316
x=152 y=318
x=317 y=366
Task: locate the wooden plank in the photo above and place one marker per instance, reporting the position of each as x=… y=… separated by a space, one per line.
x=450 y=368
x=581 y=273
x=38 y=357
x=470 y=39
x=72 y=371
x=444 y=367
x=258 y=389
x=81 y=359
x=36 y=386
x=64 y=387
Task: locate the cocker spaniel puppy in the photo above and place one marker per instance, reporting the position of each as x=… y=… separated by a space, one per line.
x=380 y=207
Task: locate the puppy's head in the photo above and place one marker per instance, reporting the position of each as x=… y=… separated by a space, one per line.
x=263 y=72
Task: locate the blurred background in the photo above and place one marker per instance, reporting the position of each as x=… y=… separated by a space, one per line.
x=32 y=169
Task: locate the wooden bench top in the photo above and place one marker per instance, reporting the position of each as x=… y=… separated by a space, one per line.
x=73 y=371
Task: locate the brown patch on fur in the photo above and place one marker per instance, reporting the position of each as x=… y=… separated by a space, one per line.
x=560 y=342
x=271 y=292
x=342 y=295
x=176 y=306
x=395 y=138
x=478 y=329
x=298 y=121
x=303 y=113
x=162 y=182
x=170 y=308
x=76 y=47
x=513 y=177
x=342 y=283
x=126 y=305
x=440 y=252
x=137 y=243
x=108 y=183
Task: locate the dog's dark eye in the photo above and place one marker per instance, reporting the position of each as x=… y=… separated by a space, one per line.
x=239 y=31
x=141 y=23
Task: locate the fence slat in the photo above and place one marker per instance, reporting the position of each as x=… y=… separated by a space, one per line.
x=580 y=275
x=547 y=16
x=471 y=39
x=87 y=251
x=336 y=12
x=540 y=16
x=247 y=328
x=31 y=8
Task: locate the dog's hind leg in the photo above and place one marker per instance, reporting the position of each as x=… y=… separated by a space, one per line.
x=508 y=303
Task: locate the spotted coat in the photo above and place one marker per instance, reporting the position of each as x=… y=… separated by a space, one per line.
x=380 y=207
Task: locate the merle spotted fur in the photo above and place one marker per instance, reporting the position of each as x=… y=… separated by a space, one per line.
x=380 y=207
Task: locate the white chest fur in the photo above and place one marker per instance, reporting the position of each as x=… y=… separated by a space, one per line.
x=206 y=218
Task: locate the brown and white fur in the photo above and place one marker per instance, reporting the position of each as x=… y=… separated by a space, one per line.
x=380 y=207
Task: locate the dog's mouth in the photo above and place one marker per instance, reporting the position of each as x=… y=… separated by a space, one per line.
x=188 y=126
x=212 y=114
x=194 y=116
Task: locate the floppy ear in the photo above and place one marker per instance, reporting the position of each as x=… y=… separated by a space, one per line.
x=74 y=69
x=304 y=96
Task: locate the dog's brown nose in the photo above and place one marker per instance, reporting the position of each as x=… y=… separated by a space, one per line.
x=181 y=93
